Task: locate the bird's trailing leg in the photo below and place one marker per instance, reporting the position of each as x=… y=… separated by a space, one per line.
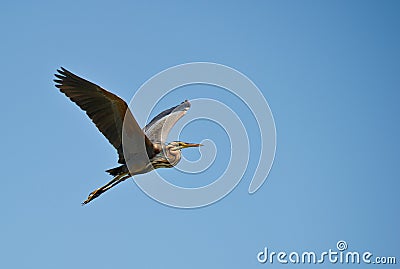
x=96 y=193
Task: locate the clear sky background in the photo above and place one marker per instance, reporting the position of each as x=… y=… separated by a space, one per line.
x=330 y=73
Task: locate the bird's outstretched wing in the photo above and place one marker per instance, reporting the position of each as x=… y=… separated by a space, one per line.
x=106 y=110
x=158 y=128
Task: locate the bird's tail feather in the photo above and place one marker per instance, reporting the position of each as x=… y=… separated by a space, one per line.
x=117 y=170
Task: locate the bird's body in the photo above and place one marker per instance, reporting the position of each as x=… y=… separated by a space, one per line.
x=109 y=113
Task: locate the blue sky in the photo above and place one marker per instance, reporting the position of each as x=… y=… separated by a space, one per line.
x=329 y=70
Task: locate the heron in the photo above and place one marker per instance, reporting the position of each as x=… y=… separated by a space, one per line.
x=108 y=112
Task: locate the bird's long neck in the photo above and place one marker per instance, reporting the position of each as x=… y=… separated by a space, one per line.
x=166 y=158
x=174 y=157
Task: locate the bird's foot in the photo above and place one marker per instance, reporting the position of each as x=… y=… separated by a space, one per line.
x=91 y=196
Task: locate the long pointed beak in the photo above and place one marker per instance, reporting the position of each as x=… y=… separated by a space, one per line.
x=190 y=145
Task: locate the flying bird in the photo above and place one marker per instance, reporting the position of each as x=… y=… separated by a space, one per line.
x=108 y=111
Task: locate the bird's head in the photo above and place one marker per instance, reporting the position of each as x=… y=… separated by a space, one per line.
x=178 y=145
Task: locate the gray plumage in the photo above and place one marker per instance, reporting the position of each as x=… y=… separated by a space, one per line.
x=109 y=113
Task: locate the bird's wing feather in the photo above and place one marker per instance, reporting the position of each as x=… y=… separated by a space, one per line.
x=158 y=128
x=105 y=109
